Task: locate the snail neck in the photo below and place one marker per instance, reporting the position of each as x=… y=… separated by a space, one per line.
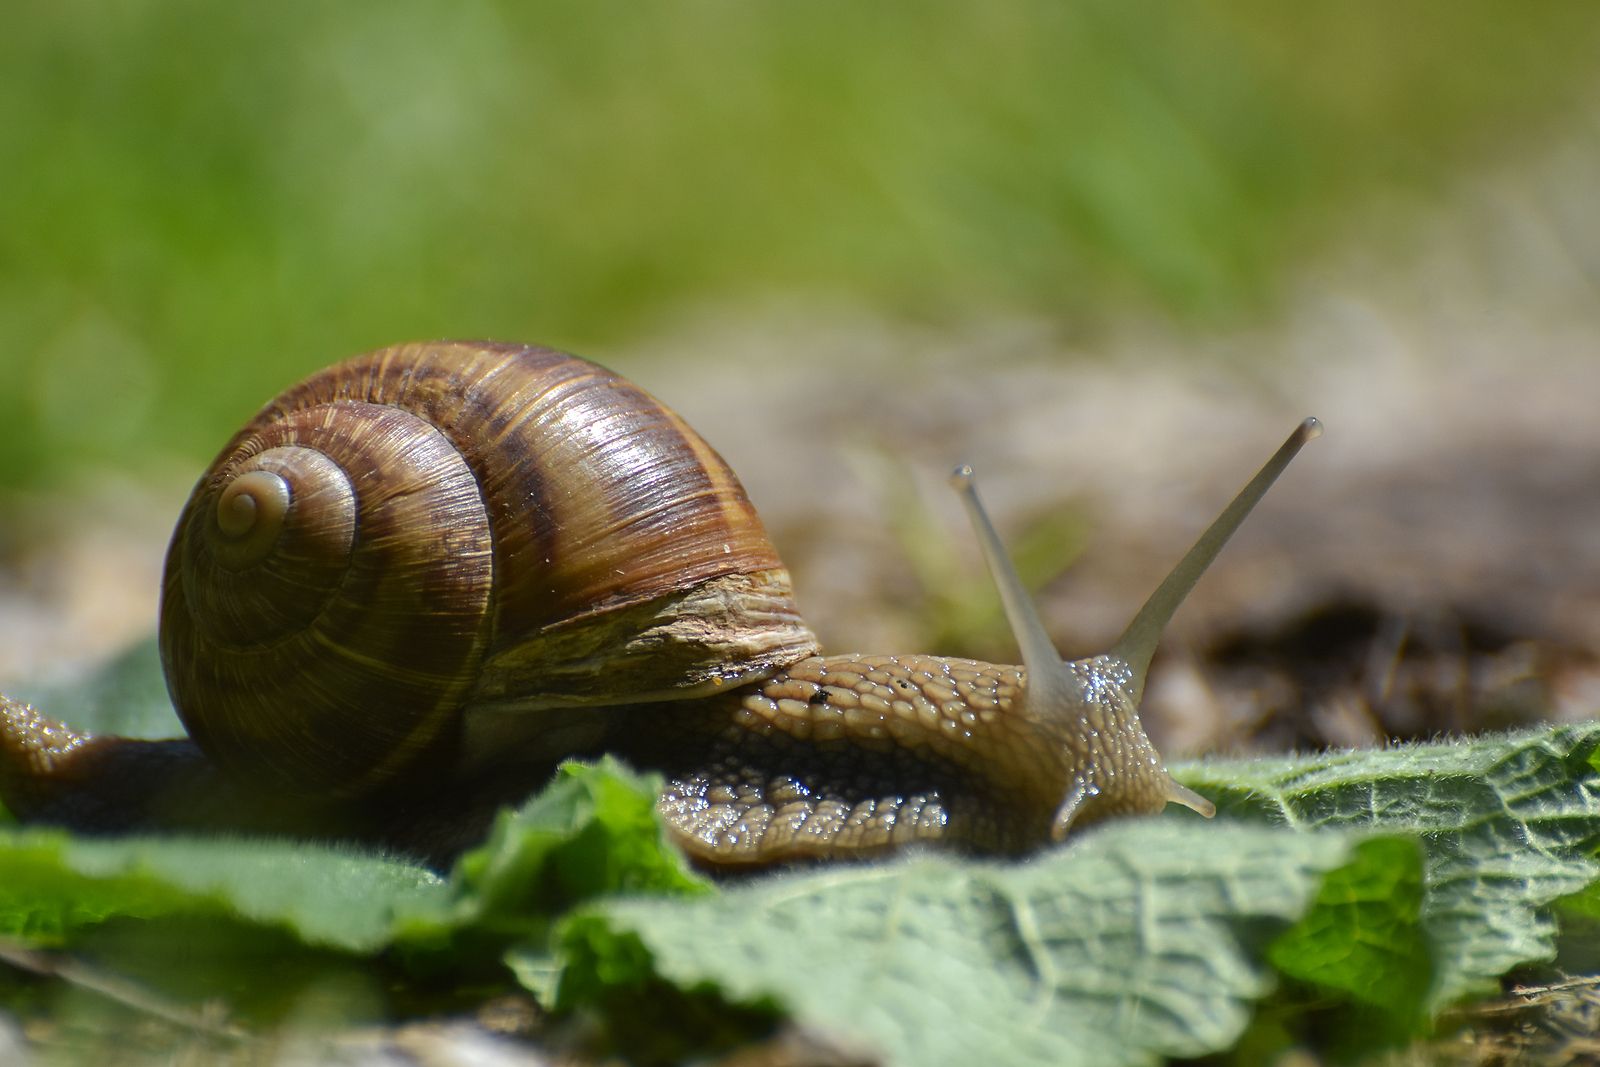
x=1087 y=710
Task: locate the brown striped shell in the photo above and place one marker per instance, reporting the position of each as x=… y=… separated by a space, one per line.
x=435 y=528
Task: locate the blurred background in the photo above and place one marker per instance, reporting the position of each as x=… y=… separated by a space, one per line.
x=1109 y=252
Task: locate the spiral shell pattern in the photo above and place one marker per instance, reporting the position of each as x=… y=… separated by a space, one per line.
x=407 y=533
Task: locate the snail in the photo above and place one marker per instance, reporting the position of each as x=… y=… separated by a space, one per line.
x=419 y=579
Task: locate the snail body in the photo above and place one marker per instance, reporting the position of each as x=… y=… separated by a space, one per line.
x=440 y=566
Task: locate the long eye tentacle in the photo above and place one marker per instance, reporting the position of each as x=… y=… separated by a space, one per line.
x=1138 y=642
x=1045 y=669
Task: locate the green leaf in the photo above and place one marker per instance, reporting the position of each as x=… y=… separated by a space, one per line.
x=270 y=920
x=1142 y=941
x=1508 y=824
x=593 y=831
x=1394 y=882
x=1363 y=938
x=56 y=887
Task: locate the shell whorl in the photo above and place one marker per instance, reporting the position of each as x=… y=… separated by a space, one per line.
x=434 y=526
x=321 y=643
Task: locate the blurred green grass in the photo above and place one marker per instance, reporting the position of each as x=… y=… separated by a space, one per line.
x=203 y=201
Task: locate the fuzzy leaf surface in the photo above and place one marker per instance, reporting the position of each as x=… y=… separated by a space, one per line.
x=1144 y=940
x=55 y=887
x=1508 y=823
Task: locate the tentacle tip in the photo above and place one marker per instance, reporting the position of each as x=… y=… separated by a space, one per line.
x=961 y=478
x=1178 y=793
x=1071 y=807
x=1310 y=429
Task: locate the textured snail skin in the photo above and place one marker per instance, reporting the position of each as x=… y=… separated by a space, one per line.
x=860 y=755
x=420 y=579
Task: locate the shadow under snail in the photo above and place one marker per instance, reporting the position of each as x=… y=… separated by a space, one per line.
x=419 y=579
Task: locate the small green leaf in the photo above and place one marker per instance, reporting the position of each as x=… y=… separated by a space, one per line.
x=592 y=831
x=1363 y=936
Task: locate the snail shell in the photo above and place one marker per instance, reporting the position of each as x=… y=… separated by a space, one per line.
x=436 y=529
x=420 y=575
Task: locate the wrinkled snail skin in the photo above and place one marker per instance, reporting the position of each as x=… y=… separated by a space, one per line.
x=861 y=755
x=419 y=579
